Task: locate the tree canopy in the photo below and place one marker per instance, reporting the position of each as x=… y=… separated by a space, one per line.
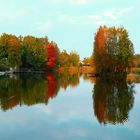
x=34 y=53
x=113 y=50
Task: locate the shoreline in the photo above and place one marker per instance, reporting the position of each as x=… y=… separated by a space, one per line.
x=72 y=70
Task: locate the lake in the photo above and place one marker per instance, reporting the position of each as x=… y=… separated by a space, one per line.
x=69 y=107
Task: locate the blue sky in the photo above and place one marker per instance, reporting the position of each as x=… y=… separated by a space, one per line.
x=70 y=23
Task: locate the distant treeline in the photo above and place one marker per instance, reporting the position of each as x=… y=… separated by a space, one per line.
x=112 y=52
x=33 y=53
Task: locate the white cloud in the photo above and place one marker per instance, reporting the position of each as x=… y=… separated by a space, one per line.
x=115 y=13
x=81 y=20
x=111 y=15
x=125 y=10
x=93 y=19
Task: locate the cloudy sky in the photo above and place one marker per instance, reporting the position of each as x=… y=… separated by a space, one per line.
x=70 y=23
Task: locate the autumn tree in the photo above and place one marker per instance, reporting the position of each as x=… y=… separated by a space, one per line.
x=136 y=61
x=86 y=61
x=14 y=54
x=74 y=59
x=51 y=51
x=91 y=61
x=63 y=59
x=10 y=47
x=68 y=59
x=4 y=43
x=57 y=54
x=4 y=39
x=113 y=50
x=33 y=52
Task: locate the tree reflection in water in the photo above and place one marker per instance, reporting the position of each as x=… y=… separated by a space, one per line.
x=30 y=89
x=112 y=99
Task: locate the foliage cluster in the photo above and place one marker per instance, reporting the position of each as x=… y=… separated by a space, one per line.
x=33 y=53
x=113 y=50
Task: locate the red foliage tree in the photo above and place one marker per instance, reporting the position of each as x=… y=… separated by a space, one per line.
x=51 y=55
x=52 y=84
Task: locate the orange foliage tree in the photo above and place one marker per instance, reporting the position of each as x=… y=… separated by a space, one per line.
x=14 y=51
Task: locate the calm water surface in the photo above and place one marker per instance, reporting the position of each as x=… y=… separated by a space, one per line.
x=68 y=107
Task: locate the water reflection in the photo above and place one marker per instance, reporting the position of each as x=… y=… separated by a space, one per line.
x=69 y=79
x=113 y=98
x=32 y=89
